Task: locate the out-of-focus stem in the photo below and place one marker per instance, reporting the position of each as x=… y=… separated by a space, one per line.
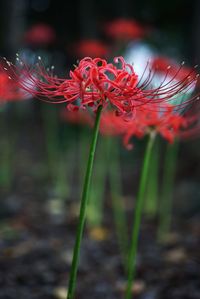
x=165 y=210
x=56 y=163
x=116 y=197
x=96 y=196
x=151 y=194
x=137 y=217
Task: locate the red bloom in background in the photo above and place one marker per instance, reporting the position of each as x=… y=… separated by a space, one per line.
x=90 y=48
x=113 y=125
x=9 y=89
x=40 y=34
x=78 y=117
x=168 y=124
x=125 y=29
x=160 y=64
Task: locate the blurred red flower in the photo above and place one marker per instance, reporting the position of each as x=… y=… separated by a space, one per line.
x=78 y=117
x=9 y=89
x=161 y=63
x=90 y=48
x=125 y=29
x=169 y=124
x=40 y=34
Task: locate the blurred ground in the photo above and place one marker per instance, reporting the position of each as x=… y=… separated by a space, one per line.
x=37 y=234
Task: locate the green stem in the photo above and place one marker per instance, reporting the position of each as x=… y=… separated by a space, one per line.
x=151 y=194
x=56 y=165
x=7 y=149
x=82 y=214
x=96 y=197
x=137 y=217
x=165 y=209
x=117 y=199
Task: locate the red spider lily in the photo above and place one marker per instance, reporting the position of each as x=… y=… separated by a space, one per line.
x=9 y=89
x=96 y=82
x=40 y=34
x=77 y=117
x=124 y=29
x=168 y=124
x=91 y=48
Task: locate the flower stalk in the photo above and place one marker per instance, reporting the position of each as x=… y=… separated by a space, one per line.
x=83 y=206
x=138 y=216
x=114 y=173
x=151 y=194
x=96 y=196
x=165 y=209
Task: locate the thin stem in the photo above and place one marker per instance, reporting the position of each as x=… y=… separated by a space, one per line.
x=82 y=214
x=96 y=196
x=7 y=149
x=137 y=217
x=56 y=166
x=165 y=209
x=116 y=197
x=151 y=194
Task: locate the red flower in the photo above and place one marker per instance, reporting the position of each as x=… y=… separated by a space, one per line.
x=169 y=124
x=40 y=34
x=9 y=89
x=124 y=29
x=96 y=82
x=91 y=48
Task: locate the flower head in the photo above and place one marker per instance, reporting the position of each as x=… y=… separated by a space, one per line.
x=95 y=82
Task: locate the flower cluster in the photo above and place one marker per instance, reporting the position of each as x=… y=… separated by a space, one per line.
x=96 y=82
